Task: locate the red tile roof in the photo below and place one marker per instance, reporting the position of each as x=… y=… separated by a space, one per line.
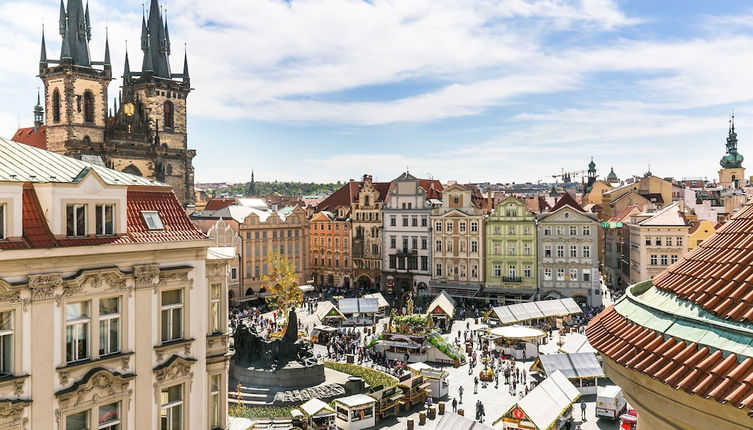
x=217 y=203
x=348 y=193
x=718 y=274
x=623 y=214
x=682 y=365
x=432 y=187
x=567 y=199
x=178 y=227
x=29 y=136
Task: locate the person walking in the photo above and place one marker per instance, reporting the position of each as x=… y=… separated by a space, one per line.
x=460 y=392
x=475 y=385
x=583 y=410
x=454 y=405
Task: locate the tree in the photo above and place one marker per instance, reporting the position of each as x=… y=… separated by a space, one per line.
x=282 y=283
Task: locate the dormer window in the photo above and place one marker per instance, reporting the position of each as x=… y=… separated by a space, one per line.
x=75 y=219
x=105 y=221
x=152 y=219
x=2 y=221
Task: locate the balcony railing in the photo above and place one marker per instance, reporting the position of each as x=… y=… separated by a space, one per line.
x=511 y=279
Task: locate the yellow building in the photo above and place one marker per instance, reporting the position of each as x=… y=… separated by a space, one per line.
x=700 y=231
x=112 y=304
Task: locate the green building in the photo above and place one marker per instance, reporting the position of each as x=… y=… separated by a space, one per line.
x=510 y=253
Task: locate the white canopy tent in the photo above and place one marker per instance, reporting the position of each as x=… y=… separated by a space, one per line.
x=544 y=406
x=521 y=312
x=576 y=342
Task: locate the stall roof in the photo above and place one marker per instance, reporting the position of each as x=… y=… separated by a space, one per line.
x=444 y=302
x=359 y=305
x=325 y=308
x=576 y=342
x=576 y=365
x=517 y=332
x=548 y=400
x=452 y=421
x=314 y=406
x=356 y=400
x=520 y=312
x=381 y=301
x=306 y=288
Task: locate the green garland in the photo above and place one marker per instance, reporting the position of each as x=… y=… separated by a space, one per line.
x=370 y=376
x=447 y=348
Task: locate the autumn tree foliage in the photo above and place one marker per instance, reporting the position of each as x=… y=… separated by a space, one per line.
x=282 y=283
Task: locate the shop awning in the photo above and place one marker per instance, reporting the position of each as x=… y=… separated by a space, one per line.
x=577 y=365
x=328 y=310
x=547 y=401
x=381 y=301
x=519 y=312
x=443 y=302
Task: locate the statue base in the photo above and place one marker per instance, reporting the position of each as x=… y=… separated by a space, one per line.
x=293 y=374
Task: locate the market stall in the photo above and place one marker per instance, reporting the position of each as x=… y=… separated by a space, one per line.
x=451 y=421
x=318 y=415
x=442 y=311
x=439 y=385
x=581 y=368
x=382 y=303
x=518 y=341
x=328 y=314
x=355 y=412
x=415 y=389
x=576 y=342
x=535 y=313
x=359 y=311
x=548 y=406
x=322 y=334
x=388 y=401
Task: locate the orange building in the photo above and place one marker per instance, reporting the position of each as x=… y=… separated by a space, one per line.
x=330 y=248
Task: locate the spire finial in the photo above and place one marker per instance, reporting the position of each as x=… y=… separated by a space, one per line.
x=127 y=64
x=186 y=76
x=107 y=63
x=43 y=51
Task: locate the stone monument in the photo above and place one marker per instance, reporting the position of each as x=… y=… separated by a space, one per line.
x=284 y=362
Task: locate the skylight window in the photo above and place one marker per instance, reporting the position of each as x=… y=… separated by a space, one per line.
x=152 y=219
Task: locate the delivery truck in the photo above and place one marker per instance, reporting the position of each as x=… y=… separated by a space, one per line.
x=610 y=403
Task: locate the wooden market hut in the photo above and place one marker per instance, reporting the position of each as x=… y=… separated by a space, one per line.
x=545 y=407
x=581 y=368
x=318 y=415
x=355 y=412
x=415 y=388
x=388 y=401
x=442 y=311
x=329 y=315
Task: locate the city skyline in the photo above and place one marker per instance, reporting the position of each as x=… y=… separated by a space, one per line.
x=502 y=92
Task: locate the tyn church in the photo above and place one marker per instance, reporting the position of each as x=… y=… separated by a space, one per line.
x=145 y=131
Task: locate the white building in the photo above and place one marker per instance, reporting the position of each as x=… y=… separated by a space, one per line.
x=112 y=304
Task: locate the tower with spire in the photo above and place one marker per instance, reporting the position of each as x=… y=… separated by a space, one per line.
x=732 y=173
x=591 y=175
x=144 y=131
x=75 y=86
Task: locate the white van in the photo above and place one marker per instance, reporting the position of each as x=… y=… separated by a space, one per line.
x=610 y=403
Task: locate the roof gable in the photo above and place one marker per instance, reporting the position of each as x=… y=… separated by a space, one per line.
x=567 y=200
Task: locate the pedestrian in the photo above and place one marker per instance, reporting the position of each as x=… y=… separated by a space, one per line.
x=583 y=410
x=475 y=385
x=460 y=392
x=454 y=405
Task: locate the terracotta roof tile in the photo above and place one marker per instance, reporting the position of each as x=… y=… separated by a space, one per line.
x=31 y=137
x=217 y=203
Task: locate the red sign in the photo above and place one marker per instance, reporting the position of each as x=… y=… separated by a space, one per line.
x=518 y=413
x=437 y=310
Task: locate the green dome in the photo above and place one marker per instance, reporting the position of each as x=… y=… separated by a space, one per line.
x=612 y=177
x=732 y=160
x=591 y=165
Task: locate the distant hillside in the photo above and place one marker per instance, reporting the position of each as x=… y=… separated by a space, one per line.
x=296 y=189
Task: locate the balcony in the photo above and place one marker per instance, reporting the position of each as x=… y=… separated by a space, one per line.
x=511 y=279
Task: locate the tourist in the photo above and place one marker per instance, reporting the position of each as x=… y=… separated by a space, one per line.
x=583 y=410
x=460 y=392
x=475 y=385
x=454 y=405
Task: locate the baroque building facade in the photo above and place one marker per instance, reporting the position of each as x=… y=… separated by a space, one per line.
x=406 y=234
x=457 y=257
x=112 y=304
x=146 y=133
x=511 y=271
x=567 y=255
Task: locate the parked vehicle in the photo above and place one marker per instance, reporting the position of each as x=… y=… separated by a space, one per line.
x=629 y=420
x=610 y=403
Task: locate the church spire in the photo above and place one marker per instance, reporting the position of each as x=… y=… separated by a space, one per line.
x=43 y=52
x=186 y=77
x=107 y=63
x=38 y=113
x=127 y=65
x=75 y=27
x=155 y=43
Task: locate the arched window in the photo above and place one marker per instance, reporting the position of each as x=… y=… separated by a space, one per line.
x=169 y=114
x=88 y=106
x=56 y=106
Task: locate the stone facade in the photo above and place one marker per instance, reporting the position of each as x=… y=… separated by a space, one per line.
x=366 y=217
x=457 y=263
x=511 y=274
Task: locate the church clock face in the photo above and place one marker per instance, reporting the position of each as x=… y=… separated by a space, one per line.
x=129 y=109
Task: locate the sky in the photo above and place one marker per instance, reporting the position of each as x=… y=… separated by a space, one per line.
x=466 y=90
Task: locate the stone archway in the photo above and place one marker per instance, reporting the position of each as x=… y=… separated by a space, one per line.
x=364 y=282
x=249 y=291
